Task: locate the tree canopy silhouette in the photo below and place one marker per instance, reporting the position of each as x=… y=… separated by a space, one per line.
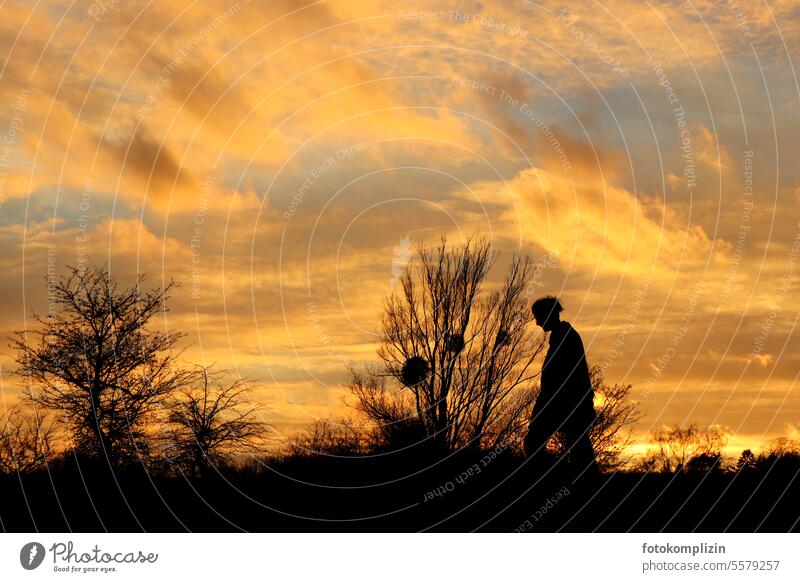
x=687 y=448
x=97 y=362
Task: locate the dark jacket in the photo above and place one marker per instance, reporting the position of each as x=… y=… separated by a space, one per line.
x=566 y=390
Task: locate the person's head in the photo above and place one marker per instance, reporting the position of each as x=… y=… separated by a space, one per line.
x=546 y=310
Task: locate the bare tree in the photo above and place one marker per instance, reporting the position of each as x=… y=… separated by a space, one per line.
x=463 y=353
x=26 y=439
x=616 y=414
x=99 y=365
x=781 y=453
x=212 y=421
x=677 y=447
x=782 y=447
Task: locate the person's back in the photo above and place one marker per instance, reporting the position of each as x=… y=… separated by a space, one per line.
x=565 y=380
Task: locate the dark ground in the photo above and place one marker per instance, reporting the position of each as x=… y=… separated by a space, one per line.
x=389 y=493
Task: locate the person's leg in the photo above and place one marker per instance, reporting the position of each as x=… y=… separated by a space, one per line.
x=581 y=453
x=539 y=434
x=536 y=439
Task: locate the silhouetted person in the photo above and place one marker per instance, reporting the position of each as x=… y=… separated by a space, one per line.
x=565 y=403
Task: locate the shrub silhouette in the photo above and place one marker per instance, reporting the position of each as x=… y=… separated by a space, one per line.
x=26 y=439
x=329 y=437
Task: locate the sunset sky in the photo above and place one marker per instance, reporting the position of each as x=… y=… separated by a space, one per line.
x=282 y=160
